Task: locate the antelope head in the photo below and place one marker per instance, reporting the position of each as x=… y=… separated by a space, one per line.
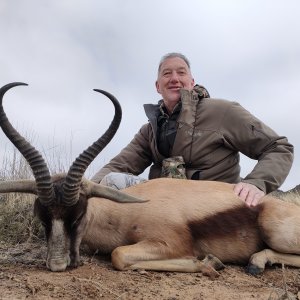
x=62 y=199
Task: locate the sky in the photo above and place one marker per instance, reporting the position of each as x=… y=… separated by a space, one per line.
x=246 y=51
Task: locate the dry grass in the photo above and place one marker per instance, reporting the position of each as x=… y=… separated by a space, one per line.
x=17 y=222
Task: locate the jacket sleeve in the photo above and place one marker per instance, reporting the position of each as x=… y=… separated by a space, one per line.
x=133 y=159
x=274 y=154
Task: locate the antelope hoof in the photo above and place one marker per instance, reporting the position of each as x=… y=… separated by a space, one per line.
x=75 y=262
x=213 y=261
x=254 y=269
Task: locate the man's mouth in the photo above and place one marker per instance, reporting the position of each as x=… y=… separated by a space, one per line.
x=174 y=88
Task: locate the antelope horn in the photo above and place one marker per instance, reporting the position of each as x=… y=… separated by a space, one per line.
x=97 y=190
x=44 y=186
x=79 y=166
x=18 y=186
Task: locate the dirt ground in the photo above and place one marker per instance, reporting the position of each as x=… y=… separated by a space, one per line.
x=23 y=275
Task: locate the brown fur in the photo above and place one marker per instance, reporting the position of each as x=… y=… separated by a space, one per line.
x=186 y=218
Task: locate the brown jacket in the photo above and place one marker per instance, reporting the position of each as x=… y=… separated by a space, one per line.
x=210 y=135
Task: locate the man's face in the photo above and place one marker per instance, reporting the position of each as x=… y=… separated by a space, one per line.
x=174 y=74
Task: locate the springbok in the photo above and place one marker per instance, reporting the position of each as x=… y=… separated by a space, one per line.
x=182 y=225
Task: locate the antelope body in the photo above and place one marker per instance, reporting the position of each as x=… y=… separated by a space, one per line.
x=182 y=226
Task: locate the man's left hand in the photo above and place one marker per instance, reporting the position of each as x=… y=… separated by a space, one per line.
x=248 y=193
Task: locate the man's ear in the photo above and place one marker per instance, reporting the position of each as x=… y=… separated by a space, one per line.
x=157 y=86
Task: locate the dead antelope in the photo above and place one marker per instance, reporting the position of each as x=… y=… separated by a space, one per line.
x=183 y=222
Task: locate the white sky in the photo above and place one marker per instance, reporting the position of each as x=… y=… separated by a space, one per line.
x=246 y=51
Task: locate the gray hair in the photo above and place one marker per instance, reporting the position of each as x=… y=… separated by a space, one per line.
x=171 y=55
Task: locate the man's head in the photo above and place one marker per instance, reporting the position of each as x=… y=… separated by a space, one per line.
x=174 y=73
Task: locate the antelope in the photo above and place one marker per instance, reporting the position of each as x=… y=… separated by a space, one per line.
x=163 y=224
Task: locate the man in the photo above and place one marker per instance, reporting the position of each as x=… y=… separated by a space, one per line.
x=208 y=133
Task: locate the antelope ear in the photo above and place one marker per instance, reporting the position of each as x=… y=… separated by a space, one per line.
x=97 y=190
x=18 y=186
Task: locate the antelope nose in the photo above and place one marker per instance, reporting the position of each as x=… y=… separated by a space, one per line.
x=57 y=265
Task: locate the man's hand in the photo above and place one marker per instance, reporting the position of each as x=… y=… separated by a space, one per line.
x=248 y=193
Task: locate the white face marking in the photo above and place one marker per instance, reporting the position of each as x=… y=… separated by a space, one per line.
x=57 y=234
x=57 y=257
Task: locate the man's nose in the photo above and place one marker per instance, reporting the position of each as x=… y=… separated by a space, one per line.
x=174 y=77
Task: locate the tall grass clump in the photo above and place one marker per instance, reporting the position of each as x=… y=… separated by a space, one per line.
x=17 y=222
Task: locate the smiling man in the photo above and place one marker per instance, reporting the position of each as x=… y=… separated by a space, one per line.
x=173 y=74
x=206 y=134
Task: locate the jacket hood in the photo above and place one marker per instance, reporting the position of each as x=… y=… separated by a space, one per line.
x=201 y=91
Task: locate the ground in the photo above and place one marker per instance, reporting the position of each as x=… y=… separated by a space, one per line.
x=23 y=275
